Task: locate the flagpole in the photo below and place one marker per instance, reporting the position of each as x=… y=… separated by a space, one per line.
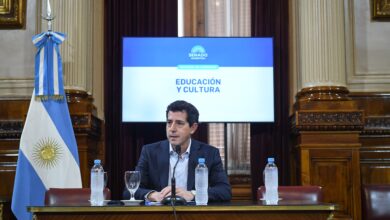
x=49 y=16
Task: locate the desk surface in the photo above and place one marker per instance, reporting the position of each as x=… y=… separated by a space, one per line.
x=284 y=210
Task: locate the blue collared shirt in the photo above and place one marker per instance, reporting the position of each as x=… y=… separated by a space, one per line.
x=181 y=172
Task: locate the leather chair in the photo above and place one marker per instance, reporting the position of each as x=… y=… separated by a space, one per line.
x=376 y=202
x=296 y=193
x=71 y=196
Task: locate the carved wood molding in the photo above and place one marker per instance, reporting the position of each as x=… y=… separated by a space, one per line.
x=11 y=129
x=82 y=123
x=377 y=125
x=328 y=121
x=240 y=179
x=86 y=123
x=323 y=93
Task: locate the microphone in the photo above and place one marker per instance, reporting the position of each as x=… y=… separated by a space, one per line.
x=173 y=199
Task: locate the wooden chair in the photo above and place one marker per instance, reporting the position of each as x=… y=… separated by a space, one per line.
x=71 y=196
x=298 y=193
x=376 y=202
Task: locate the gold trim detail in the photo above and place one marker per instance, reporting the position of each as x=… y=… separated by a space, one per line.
x=381 y=9
x=227 y=208
x=12 y=14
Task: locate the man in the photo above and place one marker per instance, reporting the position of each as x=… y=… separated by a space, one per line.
x=158 y=159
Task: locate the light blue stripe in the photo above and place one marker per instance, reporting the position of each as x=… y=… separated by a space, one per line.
x=59 y=65
x=59 y=114
x=49 y=64
x=37 y=60
x=197 y=67
x=28 y=189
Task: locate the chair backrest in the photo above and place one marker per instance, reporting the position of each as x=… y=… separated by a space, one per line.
x=71 y=196
x=298 y=193
x=376 y=202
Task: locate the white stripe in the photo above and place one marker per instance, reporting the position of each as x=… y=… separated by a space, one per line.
x=61 y=38
x=66 y=173
x=55 y=72
x=41 y=70
x=38 y=38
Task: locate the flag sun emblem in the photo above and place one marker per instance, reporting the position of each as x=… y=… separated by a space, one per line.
x=47 y=153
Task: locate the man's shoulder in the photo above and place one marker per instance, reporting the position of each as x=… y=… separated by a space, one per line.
x=203 y=146
x=161 y=144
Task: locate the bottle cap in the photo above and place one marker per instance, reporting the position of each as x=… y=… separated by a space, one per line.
x=97 y=161
x=201 y=160
x=271 y=160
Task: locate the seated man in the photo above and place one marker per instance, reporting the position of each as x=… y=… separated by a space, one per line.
x=158 y=159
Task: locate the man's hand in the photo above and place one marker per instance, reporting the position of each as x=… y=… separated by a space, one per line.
x=187 y=195
x=158 y=196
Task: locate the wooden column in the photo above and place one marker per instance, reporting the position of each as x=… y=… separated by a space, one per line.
x=327 y=126
x=87 y=128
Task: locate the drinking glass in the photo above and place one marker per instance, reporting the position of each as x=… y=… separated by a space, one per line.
x=132 y=180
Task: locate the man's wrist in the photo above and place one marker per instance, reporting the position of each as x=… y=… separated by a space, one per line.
x=148 y=194
x=193 y=192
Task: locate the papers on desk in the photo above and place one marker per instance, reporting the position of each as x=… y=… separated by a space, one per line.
x=148 y=203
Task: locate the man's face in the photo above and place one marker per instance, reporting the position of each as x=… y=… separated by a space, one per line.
x=178 y=129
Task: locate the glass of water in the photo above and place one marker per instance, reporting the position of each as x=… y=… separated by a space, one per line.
x=132 y=181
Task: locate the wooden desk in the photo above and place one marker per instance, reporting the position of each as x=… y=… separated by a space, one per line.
x=285 y=210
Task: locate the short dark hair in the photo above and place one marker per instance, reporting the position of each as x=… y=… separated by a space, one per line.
x=179 y=106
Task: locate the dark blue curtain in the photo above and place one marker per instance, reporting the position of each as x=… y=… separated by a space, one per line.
x=270 y=19
x=123 y=141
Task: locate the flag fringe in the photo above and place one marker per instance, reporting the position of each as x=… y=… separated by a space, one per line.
x=46 y=97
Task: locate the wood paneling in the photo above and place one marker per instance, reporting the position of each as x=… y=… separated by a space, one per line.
x=327 y=124
x=241 y=187
x=375 y=138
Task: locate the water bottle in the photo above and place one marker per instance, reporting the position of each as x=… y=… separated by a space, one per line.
x=271 y=182
x=201 y=183
x=97 y=184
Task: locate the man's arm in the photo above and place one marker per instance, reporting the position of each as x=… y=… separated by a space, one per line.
x=143 y=167
x=219 y=187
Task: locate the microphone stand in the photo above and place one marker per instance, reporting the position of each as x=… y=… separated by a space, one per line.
x=173 y=199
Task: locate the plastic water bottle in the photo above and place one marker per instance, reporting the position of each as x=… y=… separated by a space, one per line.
x=201 y=183
x=97 y=184
x=271 y=182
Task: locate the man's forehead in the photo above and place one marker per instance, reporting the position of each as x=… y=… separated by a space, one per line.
x=177 y=115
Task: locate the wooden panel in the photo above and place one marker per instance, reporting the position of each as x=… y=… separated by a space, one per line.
x=8 y=158
x=375 y=138
x=214 y=212
x=241 y=187
x=334 y=175
x=334 y=168
x=375 y=164
x=310 y=215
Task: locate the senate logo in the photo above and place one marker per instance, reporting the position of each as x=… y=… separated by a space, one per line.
x=198 y=53
x=47 y=153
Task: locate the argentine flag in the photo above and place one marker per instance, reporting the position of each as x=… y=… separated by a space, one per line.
x=48 y=156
